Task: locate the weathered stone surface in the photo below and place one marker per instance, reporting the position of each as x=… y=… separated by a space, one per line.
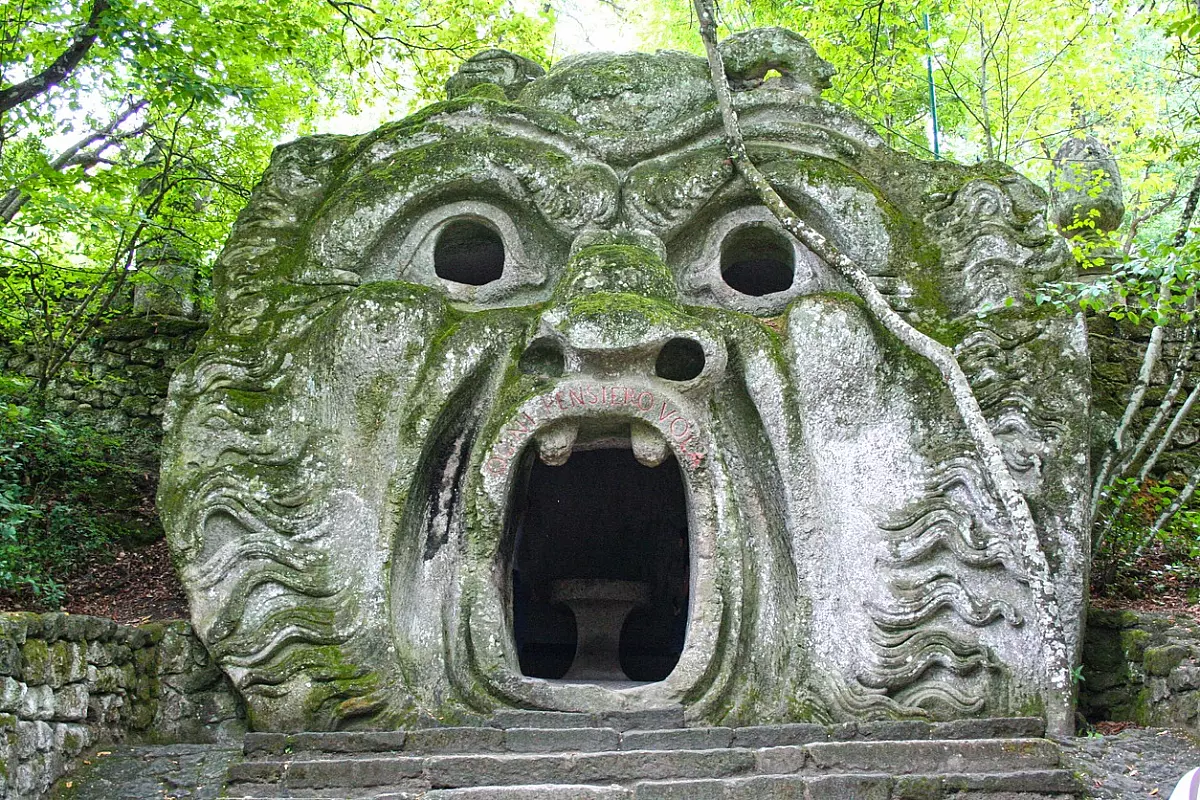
x=545 y=740
x=120 y=381
x=508 y=71
x=935 y=756
x=72 y=685
x=1087 y=188
x=533 y=793
x=543 y=335
x=455 y=740
x=681 y=738
x=541 y=719
x=1141 y=667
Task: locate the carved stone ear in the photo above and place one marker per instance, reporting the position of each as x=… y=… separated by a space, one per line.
x=509 y=71
x=749 y=56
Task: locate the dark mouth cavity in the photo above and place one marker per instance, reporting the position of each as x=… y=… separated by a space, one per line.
x=600 y=568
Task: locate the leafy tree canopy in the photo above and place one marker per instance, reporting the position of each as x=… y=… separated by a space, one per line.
x=133 y=129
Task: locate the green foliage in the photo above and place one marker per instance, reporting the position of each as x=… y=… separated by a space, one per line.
x=1156 y=286
x=148 y=146
x=1133 y=561
x=1013 y=78
x=67 y=491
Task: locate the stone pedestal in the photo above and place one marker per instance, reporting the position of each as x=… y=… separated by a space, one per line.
x=600 y=608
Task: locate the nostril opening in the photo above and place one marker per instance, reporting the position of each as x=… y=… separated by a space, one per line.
x=542 y=357
x=680 y=360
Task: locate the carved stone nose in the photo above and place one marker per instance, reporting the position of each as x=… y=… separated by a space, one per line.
x=618 y=262
x=616 y=315
x=679 y=359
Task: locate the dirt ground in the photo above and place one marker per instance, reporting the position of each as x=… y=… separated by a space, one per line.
x=131 y=585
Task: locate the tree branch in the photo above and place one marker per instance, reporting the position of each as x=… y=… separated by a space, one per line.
x=1166 y=516
x=1189 y=212
x=1058 y=667
x=1116 y=444
x=15 y=198
x=61 y=67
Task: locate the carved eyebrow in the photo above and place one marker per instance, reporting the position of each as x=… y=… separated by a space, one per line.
x=567 y=192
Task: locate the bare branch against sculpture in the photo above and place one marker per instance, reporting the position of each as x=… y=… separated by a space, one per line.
x=1116 y=444
x=1178 y=378
x=62 y=66
x=1059 y=714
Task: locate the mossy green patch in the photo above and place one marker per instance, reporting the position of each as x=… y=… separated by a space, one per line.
x=1160 y=661
x=1134 y=642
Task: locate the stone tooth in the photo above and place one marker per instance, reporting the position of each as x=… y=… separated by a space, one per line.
x=554 y=443
x=649 y=446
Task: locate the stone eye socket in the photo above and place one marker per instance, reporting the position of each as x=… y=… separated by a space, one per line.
x=757 y=260
x=469 y=251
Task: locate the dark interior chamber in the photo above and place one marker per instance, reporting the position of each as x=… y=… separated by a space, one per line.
x=605 y=517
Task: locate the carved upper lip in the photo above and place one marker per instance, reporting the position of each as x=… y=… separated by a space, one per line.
x=651 y=420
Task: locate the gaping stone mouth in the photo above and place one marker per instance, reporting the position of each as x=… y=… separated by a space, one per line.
x=598 y=516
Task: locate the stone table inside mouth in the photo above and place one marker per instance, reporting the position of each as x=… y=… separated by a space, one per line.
x=600 y=608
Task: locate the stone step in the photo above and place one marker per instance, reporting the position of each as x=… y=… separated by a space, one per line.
x=1026 y=785
x=648 y=719
x=1022 y=785
x=546 y=732
x=628 y=766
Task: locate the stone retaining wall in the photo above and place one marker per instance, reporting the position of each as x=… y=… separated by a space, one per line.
x=1117 y=350
x=1141 y=667
x=119 y=376
x=68 y=682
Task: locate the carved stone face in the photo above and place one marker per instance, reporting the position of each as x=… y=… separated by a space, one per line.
x=530 y=403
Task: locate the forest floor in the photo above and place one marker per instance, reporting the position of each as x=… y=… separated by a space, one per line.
x=132 y=585
x=1159 y=581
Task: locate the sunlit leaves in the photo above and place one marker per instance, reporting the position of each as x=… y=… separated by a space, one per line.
x=153 y=142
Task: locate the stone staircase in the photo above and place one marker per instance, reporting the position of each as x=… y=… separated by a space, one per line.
x=650 y=755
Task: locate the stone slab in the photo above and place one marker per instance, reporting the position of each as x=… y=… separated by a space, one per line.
x=546 y=740
x=677 y=739
x=771 y=787
x=939 y=755
x=649 y=719
x=455 y=740
x=779 y=735
x=543 y=792
x=541 y=719
x=351 y=772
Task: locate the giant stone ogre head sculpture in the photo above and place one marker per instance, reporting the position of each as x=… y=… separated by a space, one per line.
x=525 y=400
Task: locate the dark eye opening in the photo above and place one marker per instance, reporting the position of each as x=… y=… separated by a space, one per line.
x=469 y=251
x=757 y=260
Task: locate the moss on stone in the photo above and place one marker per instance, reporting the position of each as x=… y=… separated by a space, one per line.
x=1160 y=661
x=1134 y=642
x=372 y=401
x=36 y=657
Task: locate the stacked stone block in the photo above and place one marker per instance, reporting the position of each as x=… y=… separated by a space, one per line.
x=118 y=376
x=1141 y=667
x=68 y=682
x=1117 y=350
